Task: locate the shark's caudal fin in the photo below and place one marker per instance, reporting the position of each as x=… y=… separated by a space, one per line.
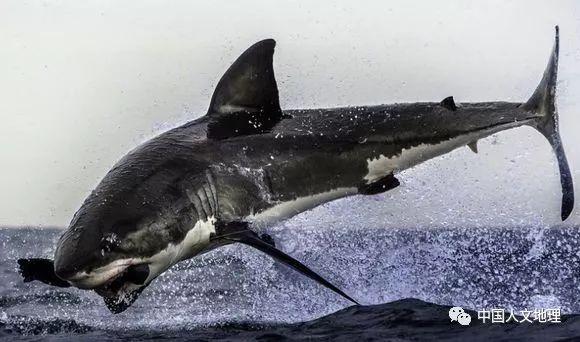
x=543 y=102
x=41 y=270
x=239 y=232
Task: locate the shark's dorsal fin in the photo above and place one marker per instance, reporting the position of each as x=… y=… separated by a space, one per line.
x=245 y=100
x=449 y=103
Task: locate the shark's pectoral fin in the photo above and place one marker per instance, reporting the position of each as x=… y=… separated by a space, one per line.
x=239 y=232
x=377 y=187
x=245 y=100
x=41 y=270
x=259 y=244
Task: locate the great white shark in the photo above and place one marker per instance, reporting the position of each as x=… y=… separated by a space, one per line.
x=247 y=164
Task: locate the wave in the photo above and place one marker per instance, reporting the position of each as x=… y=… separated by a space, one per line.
x=237 y=291
x=408 y=319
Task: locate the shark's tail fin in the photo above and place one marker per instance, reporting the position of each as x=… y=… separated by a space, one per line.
x=543 y=102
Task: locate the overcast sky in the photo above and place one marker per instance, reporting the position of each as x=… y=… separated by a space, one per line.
x=83 y=82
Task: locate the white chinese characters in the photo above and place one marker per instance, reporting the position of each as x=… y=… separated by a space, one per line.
x=525 y=316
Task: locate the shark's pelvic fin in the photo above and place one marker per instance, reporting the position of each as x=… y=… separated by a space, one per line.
x=239 y=232
x=245 y=100
x=543 y=102
x=449 y=103
x=41 y=270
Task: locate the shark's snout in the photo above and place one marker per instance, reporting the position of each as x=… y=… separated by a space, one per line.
x=86 y=268
x=92 y=278
x=69 y=263
x=63 y=270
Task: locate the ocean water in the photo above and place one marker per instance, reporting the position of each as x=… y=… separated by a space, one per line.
x=237 y=292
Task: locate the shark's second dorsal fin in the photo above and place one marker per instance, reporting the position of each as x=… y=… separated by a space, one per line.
x=245 y=100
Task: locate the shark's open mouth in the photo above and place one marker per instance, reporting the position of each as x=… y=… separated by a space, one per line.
x=118 y=293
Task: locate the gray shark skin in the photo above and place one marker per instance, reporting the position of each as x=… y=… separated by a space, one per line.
x=248 y=164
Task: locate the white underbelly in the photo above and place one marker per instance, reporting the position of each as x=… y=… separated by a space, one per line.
x=195 y=241
x=283 y=210
x=381 y=166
